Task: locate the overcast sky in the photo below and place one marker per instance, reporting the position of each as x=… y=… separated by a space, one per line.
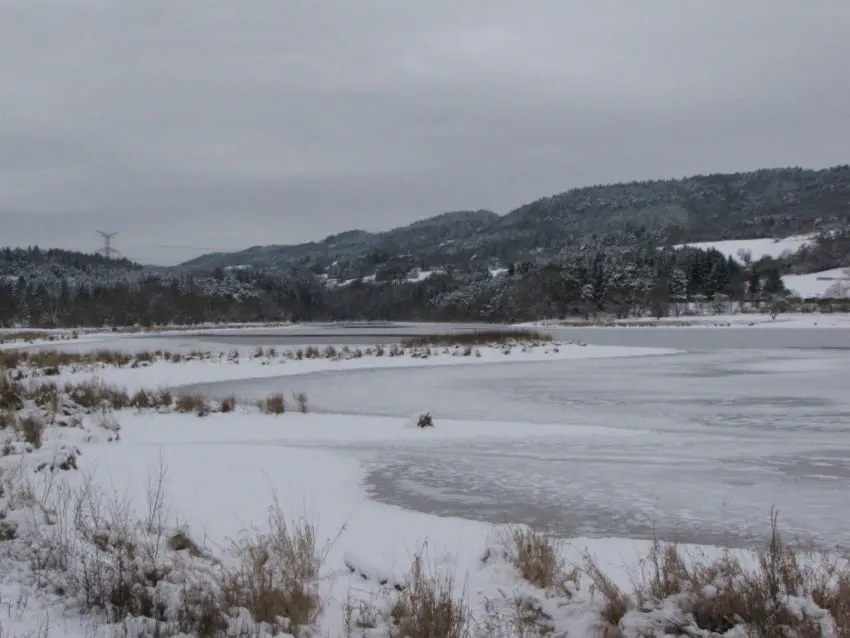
x=192 y=125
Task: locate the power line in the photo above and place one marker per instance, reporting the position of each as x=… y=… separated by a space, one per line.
x=108 y=251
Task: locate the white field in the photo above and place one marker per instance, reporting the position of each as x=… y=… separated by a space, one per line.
x=757 y=248
x=833 y=283
x=224 y=470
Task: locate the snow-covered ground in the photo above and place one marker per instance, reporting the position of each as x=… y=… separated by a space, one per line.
x=833 y=283
x=223 y=470
x=756 y=248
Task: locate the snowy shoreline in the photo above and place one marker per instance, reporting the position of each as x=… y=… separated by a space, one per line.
x=221 y=472
x=742 y=320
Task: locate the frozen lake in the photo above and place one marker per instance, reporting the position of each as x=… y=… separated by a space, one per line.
x=707 y=442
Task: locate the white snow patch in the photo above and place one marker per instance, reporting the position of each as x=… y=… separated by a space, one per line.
x=757 y=248
x=833 y=283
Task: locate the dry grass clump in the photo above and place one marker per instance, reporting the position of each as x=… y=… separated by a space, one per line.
x=276 y=575
x=477 y=338
x=88 y=395
x=94 y=394
x=49 y=362
x=832 y=592
x=146 y=399
x=12 y=393
x=537 y=558
x=718 y=595
x=31 y=429
x=427 y=608
x=274 y=404
x=25 y=335
x=615 y=602
x=192 y=403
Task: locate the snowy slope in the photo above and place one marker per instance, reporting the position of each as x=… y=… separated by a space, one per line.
x=828 y=283
x=756 y=247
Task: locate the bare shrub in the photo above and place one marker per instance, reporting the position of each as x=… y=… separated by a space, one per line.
x=145 y=356
x=116 y=566
x=537 y=558
x=427 y=607
x=274 y=404
x=425 y=420
x=228 y=404
x=163 y=399
x=832 y=592
x=709 y=590
x=301 y=402
x=142 y=400
x=7 y=419
x=195 y=403
x=94 y=394
x=276 y=574
x=720 y=595
x=200 y=613
x=765 y=591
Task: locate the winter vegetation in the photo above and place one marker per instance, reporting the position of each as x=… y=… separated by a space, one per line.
x=105 y=564
x=631 y=282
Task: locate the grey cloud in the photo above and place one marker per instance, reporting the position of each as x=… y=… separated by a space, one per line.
x=217 y=124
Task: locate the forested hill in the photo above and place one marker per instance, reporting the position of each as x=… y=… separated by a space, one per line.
x=61 y=289
x=764 y=203
x=601 y=249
